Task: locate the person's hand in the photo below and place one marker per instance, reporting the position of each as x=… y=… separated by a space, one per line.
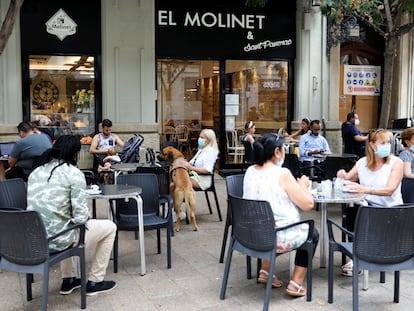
x=303 y=181
x=341 y=173
x=353 y=186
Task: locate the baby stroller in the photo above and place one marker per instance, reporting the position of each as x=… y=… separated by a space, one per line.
x=130 y=151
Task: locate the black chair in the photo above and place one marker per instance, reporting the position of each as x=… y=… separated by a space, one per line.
x=293 y=164
x=24 y=248
x=248 y=158
x=254 y=234
x=407 y=189
x=212 y=188
x=13 y=193
x=234 y=185
x=383 y=240
x=125 y=214
x=334 y=163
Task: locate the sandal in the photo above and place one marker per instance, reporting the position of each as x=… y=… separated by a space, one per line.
x=262 y=279
x=299 y=290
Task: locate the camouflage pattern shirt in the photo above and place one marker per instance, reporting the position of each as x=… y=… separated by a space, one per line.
x=61 y=201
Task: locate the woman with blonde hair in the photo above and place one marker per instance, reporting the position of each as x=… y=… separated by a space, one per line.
x=203 y=162
x=379 y=174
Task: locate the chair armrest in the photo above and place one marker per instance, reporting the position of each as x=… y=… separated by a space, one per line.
x=81 y=228
x=166 y=199
x=331 y=235
x=310 y=222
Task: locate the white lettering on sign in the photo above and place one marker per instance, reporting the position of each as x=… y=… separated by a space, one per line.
x=61 y=25
x=210 y=20
x=267 y=44
x=271 y=84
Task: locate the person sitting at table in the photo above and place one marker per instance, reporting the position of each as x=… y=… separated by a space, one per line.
x=56 y=189
x=26 y=149
x=407 y=155
x=250 y=129
x=103 y=144
x=268 y=180
x=203 y=162
x=311 y=144
x=354 y=141
x=304 y=128
x=379 y=174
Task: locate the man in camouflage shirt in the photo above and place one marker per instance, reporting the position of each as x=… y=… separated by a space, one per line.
x=56 y=189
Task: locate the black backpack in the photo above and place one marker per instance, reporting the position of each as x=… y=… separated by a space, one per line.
x=130 y=151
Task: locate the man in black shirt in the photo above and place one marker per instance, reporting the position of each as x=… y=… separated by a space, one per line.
x=353 y=139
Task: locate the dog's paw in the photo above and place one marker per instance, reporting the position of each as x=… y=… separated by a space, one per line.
x=177 y=229
x=195 y=229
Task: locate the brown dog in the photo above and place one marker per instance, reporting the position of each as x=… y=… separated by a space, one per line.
x=183 y=191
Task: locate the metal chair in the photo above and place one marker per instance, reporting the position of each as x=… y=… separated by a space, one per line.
x=181 y=137
x=212 y=188
x=407 y=189
x=383 y=240
x=24 y=248
x=254 y=234
x=13 y=193
x=125 y=213
x=233 y=146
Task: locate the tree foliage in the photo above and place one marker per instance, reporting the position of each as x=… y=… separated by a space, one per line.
x=390 y=19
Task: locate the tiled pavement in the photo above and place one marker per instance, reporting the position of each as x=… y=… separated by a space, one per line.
x=193 y=282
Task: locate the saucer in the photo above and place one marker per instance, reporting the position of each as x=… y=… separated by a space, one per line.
x=93 y=191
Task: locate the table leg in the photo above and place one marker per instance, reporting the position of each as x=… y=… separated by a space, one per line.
x=140 y=208
x=323 y=237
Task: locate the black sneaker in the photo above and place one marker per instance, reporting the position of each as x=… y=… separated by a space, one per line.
x=93 y=288
x=69 y=285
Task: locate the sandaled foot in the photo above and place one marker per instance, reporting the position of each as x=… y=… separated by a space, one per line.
x=262 y=279
x=295 y=290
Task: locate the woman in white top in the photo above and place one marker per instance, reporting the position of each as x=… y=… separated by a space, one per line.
x=250 y=129
x=268 y=181
x=204 y=160
x=379 y=174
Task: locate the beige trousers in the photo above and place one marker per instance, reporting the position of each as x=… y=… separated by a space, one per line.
x=99 y=240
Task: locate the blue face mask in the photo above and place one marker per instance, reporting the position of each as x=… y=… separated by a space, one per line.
x=412 y=148
x=201 y=142
x=383 y=150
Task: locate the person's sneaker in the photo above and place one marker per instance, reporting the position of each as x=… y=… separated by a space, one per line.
x=69 y=285
x=93 y=288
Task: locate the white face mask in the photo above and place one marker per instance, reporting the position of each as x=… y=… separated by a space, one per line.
x=356 y=122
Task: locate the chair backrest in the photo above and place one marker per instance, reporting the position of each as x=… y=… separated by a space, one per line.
x=234 y=185
x=13 y=193
x=407 y=189
x=334 y=163
x=181 y=133
x=253 y=224
x=248 y=152
x=293 y=164
x=384 y=235
x=150 y=193
x=161 y=169
x=23 y=238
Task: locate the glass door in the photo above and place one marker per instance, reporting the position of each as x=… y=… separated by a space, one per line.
x=254 y=91
x=188 y=95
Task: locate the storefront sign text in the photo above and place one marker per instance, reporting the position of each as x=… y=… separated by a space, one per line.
x=61 y=25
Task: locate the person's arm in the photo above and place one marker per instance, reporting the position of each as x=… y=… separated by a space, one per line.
x=12 y=161
x=407 y=169
x=352 y=175
x=94 y=145
x=297 y=190
x=360 y=138
x=118 y=141
x=394 y=180
x=295 y=134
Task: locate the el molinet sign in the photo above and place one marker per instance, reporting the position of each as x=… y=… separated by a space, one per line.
x=225 y=30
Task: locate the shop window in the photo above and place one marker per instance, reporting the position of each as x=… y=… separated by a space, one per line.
x=62 y=98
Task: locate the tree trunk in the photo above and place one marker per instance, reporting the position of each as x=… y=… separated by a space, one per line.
x=389 y=57
x=8 y=24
